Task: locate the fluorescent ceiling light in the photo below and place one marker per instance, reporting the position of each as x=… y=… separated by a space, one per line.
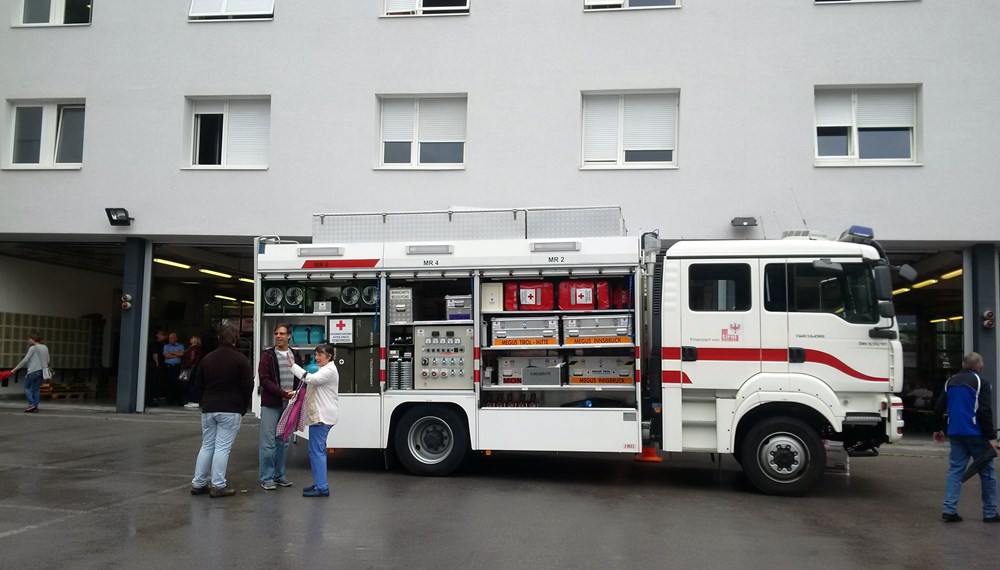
x=224 y=298
x=958 y=318
x=924 y=283
x=246 y=280
x=938 y=320
x=190 y=283
x=245 y=302
x=171 y=263
x=216 y=273
x=901 y=290
x=555 y=246
x=442 y=248
x=951 y=274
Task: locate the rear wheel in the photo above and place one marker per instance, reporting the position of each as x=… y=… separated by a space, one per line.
x=431 y=440
x=783 y=456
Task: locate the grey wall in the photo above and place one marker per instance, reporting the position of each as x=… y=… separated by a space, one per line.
x=745 y=70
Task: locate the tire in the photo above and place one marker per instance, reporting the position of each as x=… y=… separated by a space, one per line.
x=431 y=440
x=783 y=456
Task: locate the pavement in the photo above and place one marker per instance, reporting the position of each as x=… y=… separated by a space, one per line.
x=83 y=487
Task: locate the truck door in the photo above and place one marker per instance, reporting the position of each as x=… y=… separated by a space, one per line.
x=830 y=311
x=720 y=323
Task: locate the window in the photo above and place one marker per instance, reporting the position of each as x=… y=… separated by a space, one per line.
x=423 y=131
x=627 y=4
x=719 y=287
x=855 y=126
x=425 y=7
x=231 y=10
x=47 y=134
x=231 y=133
x=857 y=1
x=801 y=288
x=629 y=129
x=55 y=12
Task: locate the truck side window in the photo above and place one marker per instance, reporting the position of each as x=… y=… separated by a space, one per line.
x=719 y=287
x=775 y=290
x=851 y=295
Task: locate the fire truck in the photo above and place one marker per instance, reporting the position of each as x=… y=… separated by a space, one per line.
x=552 y=330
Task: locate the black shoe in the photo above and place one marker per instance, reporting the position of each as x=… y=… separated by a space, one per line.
x=314 y=492
x=994 y=518
x=953 y=517
x=217 y=492
x=199 y=490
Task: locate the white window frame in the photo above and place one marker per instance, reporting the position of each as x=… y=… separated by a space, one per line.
x=416 y=138
x=230 y=11
x=57 y=15
x=223 y=104
x=51 y=132
x=620 y=162
x=407 y=8
x=609 y=5
x=821 y=2
x=853 y=157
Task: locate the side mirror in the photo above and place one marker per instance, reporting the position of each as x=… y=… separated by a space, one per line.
x=883 y=283
x=886 y=309
x=827 y=267
x=908 y=273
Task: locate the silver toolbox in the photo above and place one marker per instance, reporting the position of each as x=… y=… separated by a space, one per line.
x=597 y=329
x=601 y=370
x=458 y=307
x=401 y=305
x=524 y=331
x=534 y=370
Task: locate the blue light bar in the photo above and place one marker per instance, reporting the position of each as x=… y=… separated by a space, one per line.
x=861 y=232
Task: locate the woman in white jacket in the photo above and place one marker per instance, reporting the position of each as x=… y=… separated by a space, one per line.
x=320 y=409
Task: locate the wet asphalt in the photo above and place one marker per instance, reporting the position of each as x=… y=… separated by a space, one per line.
x=81 y=487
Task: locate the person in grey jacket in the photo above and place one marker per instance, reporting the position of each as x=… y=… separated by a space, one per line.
x=35 y=361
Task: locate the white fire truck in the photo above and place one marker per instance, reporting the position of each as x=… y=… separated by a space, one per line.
x=552 y=330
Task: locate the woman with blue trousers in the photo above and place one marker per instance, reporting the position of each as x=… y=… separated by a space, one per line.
x=320 y=409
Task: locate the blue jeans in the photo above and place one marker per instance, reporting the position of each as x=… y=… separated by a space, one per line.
x=273 y=448
x=317 y=454
x=218 y=432
x=32 y=382
x=963 y=448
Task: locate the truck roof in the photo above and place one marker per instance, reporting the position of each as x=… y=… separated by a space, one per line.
x=769 y=248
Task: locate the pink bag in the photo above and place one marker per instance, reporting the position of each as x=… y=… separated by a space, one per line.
x=292 y=419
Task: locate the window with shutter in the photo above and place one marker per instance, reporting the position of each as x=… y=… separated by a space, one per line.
x=628 y=4
x=875 y=125
x=231 y=133
x=630 y=129
x=231 y=10
x=426 y=7
x=423 y=131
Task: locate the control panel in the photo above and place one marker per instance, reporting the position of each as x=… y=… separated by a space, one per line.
x=443 y=357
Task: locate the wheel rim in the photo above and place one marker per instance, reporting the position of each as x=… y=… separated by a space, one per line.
x=430 y=440
x=783 y=457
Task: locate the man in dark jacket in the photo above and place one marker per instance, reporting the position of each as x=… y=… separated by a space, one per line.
x=968 y=399
x=277 y=384
x=224 y=383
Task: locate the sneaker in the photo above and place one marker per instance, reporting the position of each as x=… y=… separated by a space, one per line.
x=283 y=483
x=32 y=410
x=217 y=492
x=191 y=405
x=314 y=492
x=951 y=517
x=268 y=486
x=199 y=490
x=994 y=519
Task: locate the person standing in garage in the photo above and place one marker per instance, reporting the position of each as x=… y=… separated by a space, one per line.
x=36 y=361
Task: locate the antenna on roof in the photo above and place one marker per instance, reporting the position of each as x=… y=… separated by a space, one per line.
x=801 y=215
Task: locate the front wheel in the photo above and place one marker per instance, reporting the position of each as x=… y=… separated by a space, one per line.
x=431 y=440
x=783 y=456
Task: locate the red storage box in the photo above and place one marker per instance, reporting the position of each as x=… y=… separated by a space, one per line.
x=621 y=297
x=574 y=294
x=528 y=296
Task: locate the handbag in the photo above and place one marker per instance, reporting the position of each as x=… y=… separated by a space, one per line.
x=46 y=373
x=185 y=375
x=292 y=419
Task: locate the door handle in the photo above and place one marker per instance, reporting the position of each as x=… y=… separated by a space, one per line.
x=796 y=355
x=689 y=353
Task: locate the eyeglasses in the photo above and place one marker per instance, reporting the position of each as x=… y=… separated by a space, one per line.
x=280 y=334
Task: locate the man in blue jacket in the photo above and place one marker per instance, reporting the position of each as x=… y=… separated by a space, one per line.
x=968 y=399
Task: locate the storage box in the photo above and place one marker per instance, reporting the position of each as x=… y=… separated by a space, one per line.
x=458 y=307
x=621 y=297
x=524 y=331
x=322 y=307
x=537 y=370
x=492 y=297
x=366 y=351
x=308 y=334
x=598 y=329
x=401 y=305
x=528 y=296
x=601 y=370
x=579 y=294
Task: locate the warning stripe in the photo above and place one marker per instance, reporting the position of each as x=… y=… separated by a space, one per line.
x=766 y=355
x=339 y=263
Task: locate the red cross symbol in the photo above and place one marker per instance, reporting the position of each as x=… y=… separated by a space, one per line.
x=531 y=296
x=340 y=325
x=580 y=295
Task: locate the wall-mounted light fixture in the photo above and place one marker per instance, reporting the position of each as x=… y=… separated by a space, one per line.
x=743 y=222
x=118 y=216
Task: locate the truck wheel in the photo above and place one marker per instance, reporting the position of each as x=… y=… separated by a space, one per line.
x=431 y=440
x=783 y=456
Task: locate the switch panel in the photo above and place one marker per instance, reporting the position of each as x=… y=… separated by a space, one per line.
x=443 y=357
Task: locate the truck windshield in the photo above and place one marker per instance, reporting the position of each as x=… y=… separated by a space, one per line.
x=800 y=288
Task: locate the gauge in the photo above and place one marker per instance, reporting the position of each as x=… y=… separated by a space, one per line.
x=294 y=296
x=273 y=296
x=350 y=295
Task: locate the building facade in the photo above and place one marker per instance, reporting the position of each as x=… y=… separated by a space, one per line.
x=213 y=121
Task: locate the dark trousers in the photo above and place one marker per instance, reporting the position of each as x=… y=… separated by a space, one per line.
x=171 y=377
